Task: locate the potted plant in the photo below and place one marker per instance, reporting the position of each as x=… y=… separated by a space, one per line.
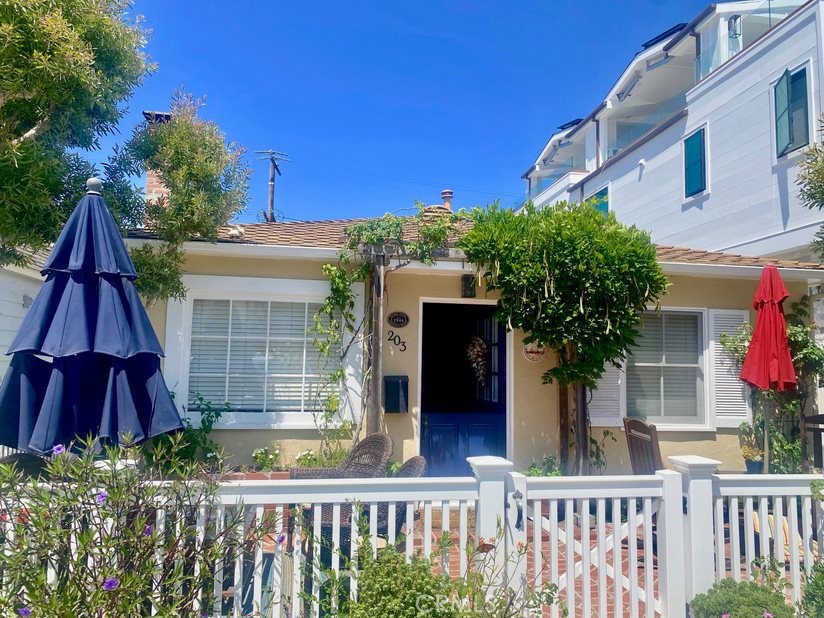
x=267 y=466
x=753 y=458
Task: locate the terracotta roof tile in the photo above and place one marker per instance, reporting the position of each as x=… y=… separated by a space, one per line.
x=330 y=234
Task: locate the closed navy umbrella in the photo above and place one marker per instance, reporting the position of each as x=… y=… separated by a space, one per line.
x=86 y=359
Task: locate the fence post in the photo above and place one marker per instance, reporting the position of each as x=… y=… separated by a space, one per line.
x=670 y=534
x=490 y=510
x=699 y=557
x=515 y=533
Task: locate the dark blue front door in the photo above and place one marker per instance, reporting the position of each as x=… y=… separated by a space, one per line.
x=463 y=386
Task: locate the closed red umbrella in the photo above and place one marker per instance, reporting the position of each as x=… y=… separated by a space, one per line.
x=768 y=363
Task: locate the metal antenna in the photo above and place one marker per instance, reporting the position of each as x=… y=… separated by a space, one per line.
x=273 y=156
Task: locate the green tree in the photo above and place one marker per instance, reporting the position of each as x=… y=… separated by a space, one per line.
x=208 y=185
x=66 y=67
x=575 y=281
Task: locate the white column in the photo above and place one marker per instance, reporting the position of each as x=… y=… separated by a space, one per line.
x=699 y=557
x=670 y=532
x=490 y=510
x=515 y=533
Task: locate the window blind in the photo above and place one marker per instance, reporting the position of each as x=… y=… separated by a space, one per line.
x=256 y=355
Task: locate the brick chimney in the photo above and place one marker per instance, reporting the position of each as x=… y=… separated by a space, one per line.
x=155 y=189
x=446 y=196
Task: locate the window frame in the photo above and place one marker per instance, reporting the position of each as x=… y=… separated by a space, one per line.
x=594 y=195
x=213 y=287
x=704 y=419
x=788 y=74
x=704 y=163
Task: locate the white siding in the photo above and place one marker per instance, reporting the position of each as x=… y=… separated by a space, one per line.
x=13 y=289
x=751 y=205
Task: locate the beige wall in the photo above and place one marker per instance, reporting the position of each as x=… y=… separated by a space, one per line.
x=723 y=443
x=535 y=419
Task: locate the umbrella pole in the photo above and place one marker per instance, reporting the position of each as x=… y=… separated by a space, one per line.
x=766 y=469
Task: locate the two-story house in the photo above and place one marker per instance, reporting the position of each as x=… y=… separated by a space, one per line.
x=699 y=139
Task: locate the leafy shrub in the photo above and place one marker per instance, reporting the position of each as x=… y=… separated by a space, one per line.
x=812 y=603
x=549 y=466
x=190 y=444
x=740 y=600
x=267 y=458
x=388 y=586
x=87 y=544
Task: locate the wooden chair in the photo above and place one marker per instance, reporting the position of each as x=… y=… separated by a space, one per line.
x=812 y=425
x=642 y=442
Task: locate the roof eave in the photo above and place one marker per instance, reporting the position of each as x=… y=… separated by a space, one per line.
x=732 y=271
x=249 y=250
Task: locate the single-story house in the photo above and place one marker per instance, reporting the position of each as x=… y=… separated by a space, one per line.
x=240 y=336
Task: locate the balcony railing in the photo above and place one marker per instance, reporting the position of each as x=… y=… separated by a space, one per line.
x=642 y=124
x=742 y=31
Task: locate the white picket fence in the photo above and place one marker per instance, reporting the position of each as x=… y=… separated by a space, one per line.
x=613 y=545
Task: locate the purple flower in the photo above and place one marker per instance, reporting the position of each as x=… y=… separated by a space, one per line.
x=726 y=615
x=110 y=583
x=281 y=538
x=147 y=531
x=101 y=497
x=58 y=449
x=768 y=614
x=24 y=611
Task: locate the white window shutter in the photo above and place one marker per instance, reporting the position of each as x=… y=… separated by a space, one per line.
x=729 y=396
x=605 y=403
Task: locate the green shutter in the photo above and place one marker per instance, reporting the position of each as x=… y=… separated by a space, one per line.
x=783 y=119
x=695 y=174
x=799 y=122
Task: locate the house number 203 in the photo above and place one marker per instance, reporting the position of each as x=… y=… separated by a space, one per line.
x=396 y=339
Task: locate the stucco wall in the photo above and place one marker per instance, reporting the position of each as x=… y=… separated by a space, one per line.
x=721 y=444
x=535 y=423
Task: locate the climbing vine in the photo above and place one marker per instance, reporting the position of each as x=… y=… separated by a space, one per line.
x=575 y=281
x=425 y=236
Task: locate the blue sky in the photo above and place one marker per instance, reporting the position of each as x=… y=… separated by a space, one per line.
x=382 y=103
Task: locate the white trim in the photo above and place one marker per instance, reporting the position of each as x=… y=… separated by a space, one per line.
x=242 y=249
x=708 y=408
x=179 y=338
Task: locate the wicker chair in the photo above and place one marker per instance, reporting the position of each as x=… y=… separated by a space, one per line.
x=29 y=465
x=367 y=459
x=414 y=467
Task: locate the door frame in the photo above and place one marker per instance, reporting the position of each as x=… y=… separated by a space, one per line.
x=510 y=369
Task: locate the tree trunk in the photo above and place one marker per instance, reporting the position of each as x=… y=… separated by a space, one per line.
x=563 y=426
x=373 y=414
x=581 y=430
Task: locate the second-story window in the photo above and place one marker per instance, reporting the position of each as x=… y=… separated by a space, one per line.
x=695 y=164
x=791 y=114
x=602 y=200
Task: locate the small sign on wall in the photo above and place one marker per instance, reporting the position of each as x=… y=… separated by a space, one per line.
x=534 y=352
x=398 y=319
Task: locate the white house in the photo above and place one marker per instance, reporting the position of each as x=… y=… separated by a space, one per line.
x=18 y=287
x=699 y=139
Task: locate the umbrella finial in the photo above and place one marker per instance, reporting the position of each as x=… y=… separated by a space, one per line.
x=94 y=185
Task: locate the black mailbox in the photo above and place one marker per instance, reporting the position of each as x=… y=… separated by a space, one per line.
x=395 y=394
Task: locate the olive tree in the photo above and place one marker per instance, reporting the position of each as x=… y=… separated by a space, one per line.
x=575 y=281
